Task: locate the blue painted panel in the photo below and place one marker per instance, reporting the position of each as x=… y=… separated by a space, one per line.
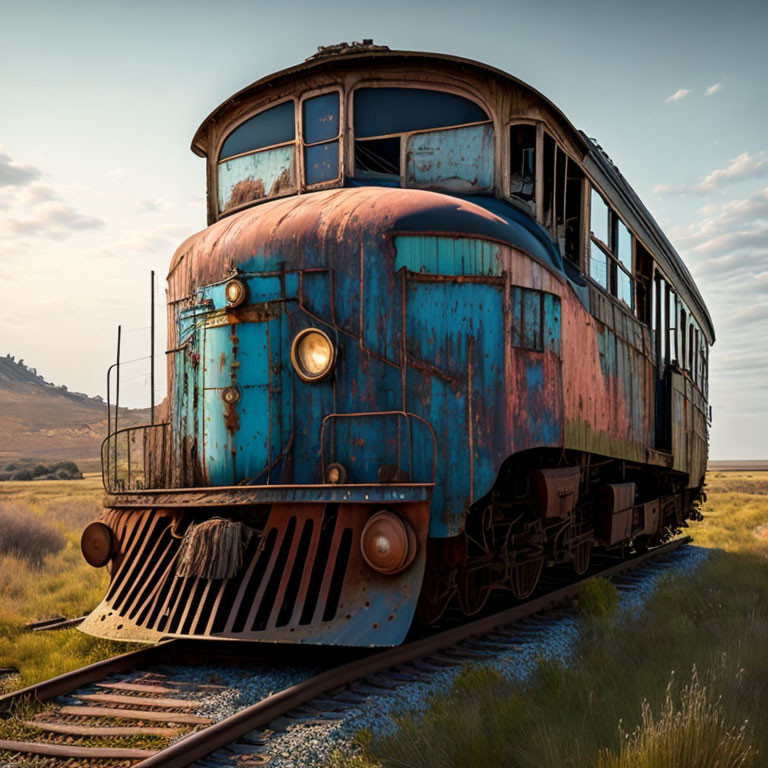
x=552 y=323
x=457 y=328
x=251 y=177
x=447 y=255
x=457 y=159
x=261 y=289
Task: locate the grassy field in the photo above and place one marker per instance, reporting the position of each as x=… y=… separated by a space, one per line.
x=43 y=574
x=684 y=684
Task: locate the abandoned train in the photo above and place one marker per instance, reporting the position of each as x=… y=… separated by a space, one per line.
x=430 y=343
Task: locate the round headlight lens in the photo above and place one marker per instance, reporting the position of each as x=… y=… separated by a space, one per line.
x=97 y=544
x=312 y=354
x=388 y=542
x=235 y=292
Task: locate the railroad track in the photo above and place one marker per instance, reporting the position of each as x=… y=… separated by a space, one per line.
x=135 y=710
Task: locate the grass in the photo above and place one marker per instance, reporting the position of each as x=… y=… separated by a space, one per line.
x=682 y=684
x=37 y=584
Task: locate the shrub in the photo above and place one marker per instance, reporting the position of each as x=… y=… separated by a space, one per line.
x=22 y=474
x=24 y=535
x=598 y=597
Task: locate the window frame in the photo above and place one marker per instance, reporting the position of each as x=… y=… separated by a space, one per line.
x=216 y=157
x=610 y=250
x=532 y=205
x=337 y=87
x=404 y=136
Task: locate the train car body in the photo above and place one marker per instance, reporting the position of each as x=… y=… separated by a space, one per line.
x=430 y=343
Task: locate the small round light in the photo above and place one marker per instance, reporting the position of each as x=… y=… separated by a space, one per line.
x=235 y=292
x=230 y=395
x=335 y=474
x=97 y=544
x=388 y=543
x=312 y=354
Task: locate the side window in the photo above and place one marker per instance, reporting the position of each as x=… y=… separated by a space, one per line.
x=672 y=327
x=522 y=156
x=561 y=208
x=383 y=118
x=624 y=273
x=598 y=258
x=457 y=159
x=257 y=159
x=320 y=129
x=611 y=262
x=535 y=320
x=683 y=338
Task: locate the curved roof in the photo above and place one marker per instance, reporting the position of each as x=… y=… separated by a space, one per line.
x=362 y=57
x=612 y=183
x=271 y=231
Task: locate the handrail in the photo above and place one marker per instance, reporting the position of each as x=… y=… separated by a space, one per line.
x=109 y=466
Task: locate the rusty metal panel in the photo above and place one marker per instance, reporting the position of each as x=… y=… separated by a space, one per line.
x=458 y=159
x=616 y=510
x=651 y=519
x=557 y=491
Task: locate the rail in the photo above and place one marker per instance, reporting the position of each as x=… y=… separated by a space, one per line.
x=136 y=458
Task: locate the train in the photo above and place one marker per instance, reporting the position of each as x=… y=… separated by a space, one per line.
x=430 y=344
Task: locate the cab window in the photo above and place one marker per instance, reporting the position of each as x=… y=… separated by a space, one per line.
x=257 y=159
x=423 y=138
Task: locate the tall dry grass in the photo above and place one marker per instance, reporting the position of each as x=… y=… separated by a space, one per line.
x=691 y=728
x=569 y=716
x=39 y=583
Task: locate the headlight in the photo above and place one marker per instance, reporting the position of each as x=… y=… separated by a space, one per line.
x=235 y=292
x=97 y=544
x=388 y=543
x=312 y=354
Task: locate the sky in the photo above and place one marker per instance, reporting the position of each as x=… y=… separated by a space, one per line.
x=99 y=102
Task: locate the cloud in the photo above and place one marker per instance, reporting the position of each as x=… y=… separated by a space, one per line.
x=54 y=221
x=757 y=313
x=116 y=173
x=740 y=168
x=679 y=95
x=713 y=89
x=14 y=174
x=744 y=166
x=731 y=239
x=40 y=193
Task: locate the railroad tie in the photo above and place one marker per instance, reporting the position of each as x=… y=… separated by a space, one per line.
x=147 y=701
x=103 y=730
x=69 y=751
x=182 y=718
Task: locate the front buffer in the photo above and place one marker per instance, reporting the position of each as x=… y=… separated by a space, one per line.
x=308 y=571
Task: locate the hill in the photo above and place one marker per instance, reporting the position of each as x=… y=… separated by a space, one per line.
x=43 y=421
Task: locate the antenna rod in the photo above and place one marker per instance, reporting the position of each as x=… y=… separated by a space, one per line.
x=152 y=349
x=117 y=396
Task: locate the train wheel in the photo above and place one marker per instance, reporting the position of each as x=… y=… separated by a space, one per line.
x=525 y=577
x=581 y=556
x=473 y=590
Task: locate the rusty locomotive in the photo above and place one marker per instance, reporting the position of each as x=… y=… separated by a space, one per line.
x=430 y=343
